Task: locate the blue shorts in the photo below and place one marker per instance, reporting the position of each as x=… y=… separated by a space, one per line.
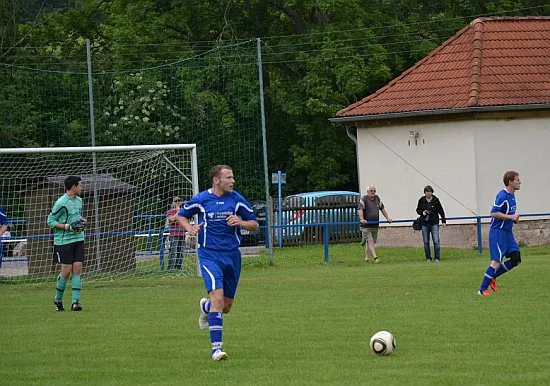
x=501 y=244
x=220 y=269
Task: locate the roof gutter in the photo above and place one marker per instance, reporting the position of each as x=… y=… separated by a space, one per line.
x=420 y=113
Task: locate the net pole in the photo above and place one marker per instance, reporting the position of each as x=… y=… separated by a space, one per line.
x=195 y=177
x=264 y=144
x=94 y=157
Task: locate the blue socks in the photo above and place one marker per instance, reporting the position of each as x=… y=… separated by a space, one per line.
x=215 y=323
x=206 y=307
x=489 y=275
x=504 y=267
x=492 y=273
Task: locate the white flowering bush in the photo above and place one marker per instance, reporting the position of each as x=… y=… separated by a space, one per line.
x=140 y=110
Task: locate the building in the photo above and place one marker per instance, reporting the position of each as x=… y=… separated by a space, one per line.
x=476 y=106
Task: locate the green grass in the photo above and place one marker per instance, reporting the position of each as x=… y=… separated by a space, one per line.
x=299 y=321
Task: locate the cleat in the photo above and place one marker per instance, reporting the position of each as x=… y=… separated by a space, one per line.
x=428 y=260
x=76 y=307
x=219 y=355
x=493 y=285
x=58 y=305
x=436 y=261
x=367 y=260
x=484 y=293
x=203 y=318
x=376 y=260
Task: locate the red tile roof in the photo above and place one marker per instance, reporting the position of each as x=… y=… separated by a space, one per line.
x=491 y=62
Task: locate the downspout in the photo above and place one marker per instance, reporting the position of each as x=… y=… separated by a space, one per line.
x=354 y=139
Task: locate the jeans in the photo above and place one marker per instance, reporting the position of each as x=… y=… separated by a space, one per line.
x=175 y=257
x=434 y=230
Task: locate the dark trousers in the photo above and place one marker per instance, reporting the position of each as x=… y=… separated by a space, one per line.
x=175 y=257
x=434 y=231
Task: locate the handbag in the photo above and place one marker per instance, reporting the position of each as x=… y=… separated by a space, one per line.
x=417 y=224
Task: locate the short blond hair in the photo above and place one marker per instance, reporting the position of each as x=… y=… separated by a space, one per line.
x=509 y=176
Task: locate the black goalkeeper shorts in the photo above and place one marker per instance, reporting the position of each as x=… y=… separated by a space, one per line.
x=69 y=253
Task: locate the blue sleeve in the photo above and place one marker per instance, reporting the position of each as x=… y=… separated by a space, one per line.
x=500 y=204
x=3 y=217
x=244 y=209
x=191 y=207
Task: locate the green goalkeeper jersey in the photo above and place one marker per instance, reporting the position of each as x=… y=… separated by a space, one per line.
x=65 y=211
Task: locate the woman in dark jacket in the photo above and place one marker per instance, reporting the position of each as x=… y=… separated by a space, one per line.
x=429 y=209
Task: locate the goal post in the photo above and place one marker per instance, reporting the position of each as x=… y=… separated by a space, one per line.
x=127 y=191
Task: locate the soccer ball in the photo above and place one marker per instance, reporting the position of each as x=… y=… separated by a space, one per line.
x=382 y=343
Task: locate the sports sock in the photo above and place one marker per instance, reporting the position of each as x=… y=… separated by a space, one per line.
x=206 y=307
x=215 y=323
x=76 y=286
x=504 y=267
x=489 y=275
x=60 y=287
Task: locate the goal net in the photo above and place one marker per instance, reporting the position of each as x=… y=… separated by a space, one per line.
x=127 y=194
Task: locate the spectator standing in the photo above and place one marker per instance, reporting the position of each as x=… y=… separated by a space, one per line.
x=429 y=209
x=368 y=208
x=3 y=229
x=177 y=236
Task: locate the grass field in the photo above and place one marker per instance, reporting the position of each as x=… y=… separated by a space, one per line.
x=300 y=321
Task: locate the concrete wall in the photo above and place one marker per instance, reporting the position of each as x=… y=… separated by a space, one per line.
x=531 y=233
x=443 y=156
x=464 y=161
x=519 y=144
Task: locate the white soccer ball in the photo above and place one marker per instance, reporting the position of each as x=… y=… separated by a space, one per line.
x=382 y=343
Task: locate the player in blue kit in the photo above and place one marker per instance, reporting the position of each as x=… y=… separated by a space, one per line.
x=501 y=239
x=222 y=212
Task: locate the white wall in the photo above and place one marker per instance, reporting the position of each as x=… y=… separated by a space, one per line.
x=443 y=157
x=464 y=161
x=514 y=144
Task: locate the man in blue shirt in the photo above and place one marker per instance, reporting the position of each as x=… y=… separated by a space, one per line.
x=501 y=239
x=222 y=212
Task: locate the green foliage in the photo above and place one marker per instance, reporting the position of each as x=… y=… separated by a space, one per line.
x=318 y=57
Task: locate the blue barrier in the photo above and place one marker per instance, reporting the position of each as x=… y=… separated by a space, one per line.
x=327 y=225
x=151 y=232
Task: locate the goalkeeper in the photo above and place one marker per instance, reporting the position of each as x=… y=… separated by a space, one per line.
x=68 y=242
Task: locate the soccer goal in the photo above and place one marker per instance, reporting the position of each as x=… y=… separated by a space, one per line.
x=127 y=193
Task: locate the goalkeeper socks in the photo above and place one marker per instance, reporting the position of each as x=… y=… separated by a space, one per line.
x=76 y=286
x=215 y=323
x=504 y=267
x=489 y=275
x=60 y=287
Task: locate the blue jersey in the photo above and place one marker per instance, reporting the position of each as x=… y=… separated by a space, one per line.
x=505 y=202
x=213 y=211
x=3 y=221
x=3 y=217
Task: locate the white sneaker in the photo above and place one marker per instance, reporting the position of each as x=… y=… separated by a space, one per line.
x=203 y=318
x=219 y=355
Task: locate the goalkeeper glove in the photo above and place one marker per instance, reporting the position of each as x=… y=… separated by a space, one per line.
x=77 y=226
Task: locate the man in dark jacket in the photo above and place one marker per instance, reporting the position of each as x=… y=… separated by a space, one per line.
x=429 y=209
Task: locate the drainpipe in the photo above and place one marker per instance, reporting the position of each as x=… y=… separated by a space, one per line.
x=354 y=139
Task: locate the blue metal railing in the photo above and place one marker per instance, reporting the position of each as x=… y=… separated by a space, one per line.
x=153 y=232
x=326 y=227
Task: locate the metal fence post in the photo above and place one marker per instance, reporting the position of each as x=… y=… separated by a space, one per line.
x=479 y=235
x=325 y=241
